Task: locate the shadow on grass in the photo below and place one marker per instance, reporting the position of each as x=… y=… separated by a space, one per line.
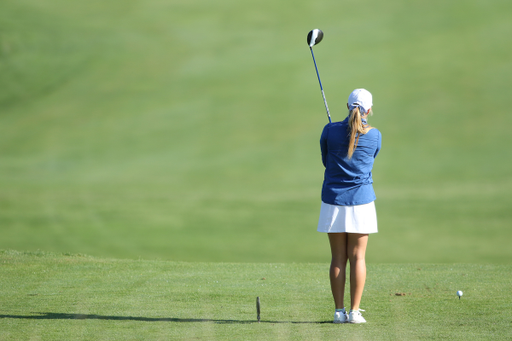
x=63 y=316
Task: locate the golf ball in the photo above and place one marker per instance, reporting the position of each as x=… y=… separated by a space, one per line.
x=459 y=293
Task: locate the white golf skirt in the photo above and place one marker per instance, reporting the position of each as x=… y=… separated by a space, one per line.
x=348 y=219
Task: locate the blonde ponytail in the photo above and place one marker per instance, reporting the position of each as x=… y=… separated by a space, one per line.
x=356 y=127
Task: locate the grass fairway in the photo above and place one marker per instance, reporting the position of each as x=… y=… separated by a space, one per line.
x=70 y=297
x=189 y=130
x=186 y=133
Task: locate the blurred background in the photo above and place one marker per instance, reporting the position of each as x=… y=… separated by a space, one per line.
x=189 y=130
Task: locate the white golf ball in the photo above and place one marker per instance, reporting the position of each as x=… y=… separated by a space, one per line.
x=459 y=293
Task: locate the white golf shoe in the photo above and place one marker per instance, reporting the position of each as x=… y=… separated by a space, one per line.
x=355 y=316
x=340 y=316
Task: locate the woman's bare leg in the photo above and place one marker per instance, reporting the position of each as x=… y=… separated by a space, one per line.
x=356 y=251
x=338 y=268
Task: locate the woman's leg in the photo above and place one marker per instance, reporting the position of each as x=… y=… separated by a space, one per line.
x=356 y=250
x=337 y=271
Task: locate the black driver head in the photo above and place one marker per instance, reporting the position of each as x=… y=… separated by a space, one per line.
x=314 y=37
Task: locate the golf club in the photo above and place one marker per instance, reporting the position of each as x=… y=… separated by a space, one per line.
x=314 y=37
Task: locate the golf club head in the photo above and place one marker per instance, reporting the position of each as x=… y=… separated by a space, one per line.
x=314 y=37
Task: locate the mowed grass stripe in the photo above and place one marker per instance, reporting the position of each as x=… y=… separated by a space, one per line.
x=54 y=296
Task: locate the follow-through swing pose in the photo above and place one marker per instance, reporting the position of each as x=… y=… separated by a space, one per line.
x=348 y=213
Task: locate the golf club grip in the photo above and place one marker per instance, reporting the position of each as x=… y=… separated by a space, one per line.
x=326 y=107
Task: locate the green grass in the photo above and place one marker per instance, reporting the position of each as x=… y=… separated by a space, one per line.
x=188 y=130
x=74 y=297
x=186 y=133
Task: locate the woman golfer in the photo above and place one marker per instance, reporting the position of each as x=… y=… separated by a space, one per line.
x=348 y=212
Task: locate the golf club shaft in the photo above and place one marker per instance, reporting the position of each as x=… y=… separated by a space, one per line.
x=321 y=87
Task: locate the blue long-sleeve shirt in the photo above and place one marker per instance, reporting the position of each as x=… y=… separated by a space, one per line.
x=348 y=181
